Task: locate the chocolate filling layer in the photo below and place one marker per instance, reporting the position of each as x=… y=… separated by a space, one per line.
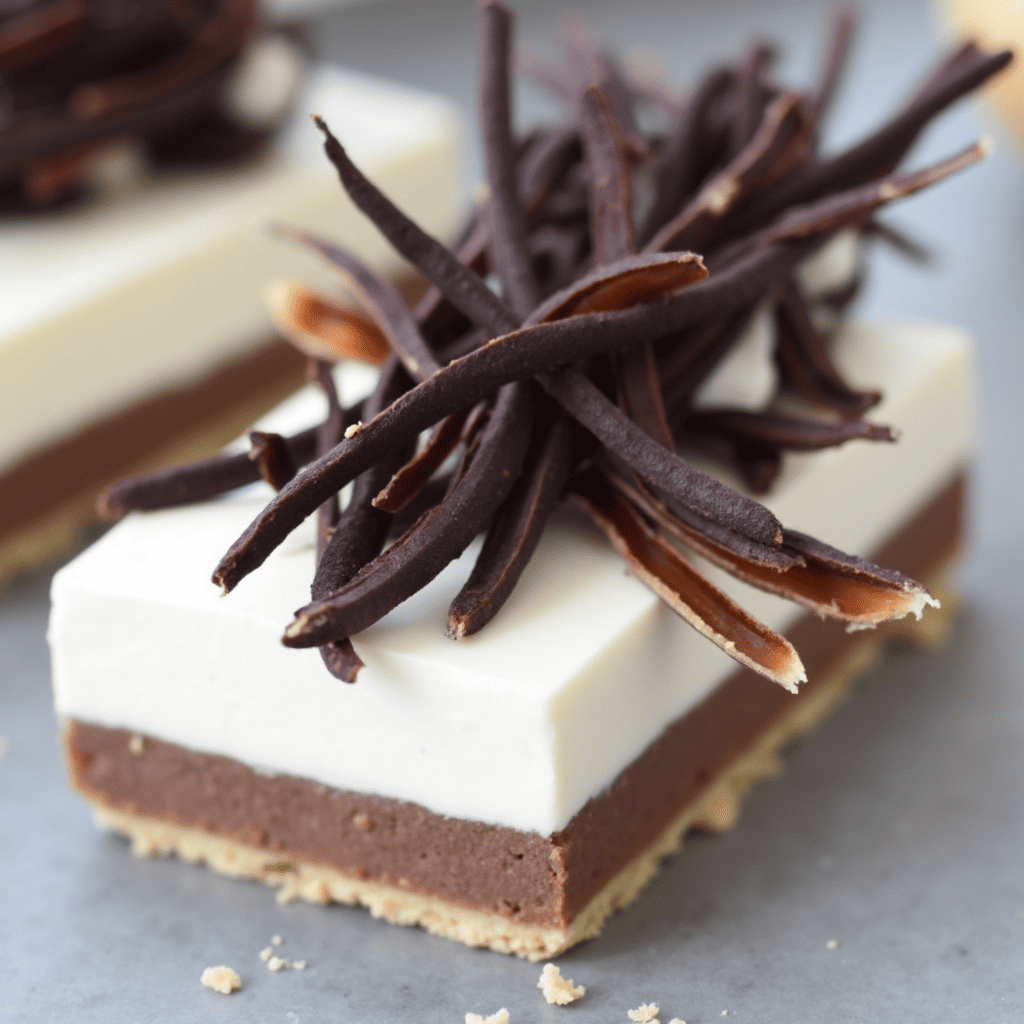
x=526 y=877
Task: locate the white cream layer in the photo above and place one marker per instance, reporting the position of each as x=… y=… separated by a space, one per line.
x=155 y=284
x=518 y=725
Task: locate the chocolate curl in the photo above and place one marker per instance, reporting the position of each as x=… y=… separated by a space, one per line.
x=685 y=591
x=750 y=95
x=829 y=582
x=770 y=428
x=781 y=142
x=514 y=534
x=508 y=248
x=840 y=34
x=678 y=169
x=612 y=233
x=440 y=535
x=660 y=466
x=359 y=532
x=321 y=329
x=804 y=361
x=881 y=151
x=270 y=453
x=198 y=481
x=410 y=479
x=381 y=300
x=589 y=63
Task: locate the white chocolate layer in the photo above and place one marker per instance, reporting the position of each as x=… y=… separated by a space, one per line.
x=518 y=725
x=155 y=284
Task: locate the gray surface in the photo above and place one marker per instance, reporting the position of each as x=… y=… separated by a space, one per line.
x=896 y=830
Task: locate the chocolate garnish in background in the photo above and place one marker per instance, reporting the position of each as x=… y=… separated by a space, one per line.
x=548 y=358
x=78 y=77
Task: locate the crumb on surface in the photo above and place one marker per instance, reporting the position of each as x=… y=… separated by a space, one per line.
x=136 y=744
x=353 y=429
x=277 y=963
x=556 y=989
x=364 y=822
x=299 y=965
x=221 y=979
x=276 y=940
x=498 y=1017
x=645 y=1013
x=725 y=1013
x=266 y=953
x=831 y=944
x=676 y=1020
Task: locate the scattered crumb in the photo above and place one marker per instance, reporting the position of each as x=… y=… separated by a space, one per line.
x=498 y=1017
x=558 y=990
x=676 y=1020
x=276 y=940
x=364 y=822
x=299 y=965
x=136 y=744
x=353 y=429
x=266 y=954
x=725 y=1013
x=276 y=963
x=221 y=979
x=646 y=1013
x=831 y=944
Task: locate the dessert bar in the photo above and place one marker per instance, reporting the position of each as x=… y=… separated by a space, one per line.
x=570 y=637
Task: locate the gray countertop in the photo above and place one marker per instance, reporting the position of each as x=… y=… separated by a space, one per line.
x=897 y=830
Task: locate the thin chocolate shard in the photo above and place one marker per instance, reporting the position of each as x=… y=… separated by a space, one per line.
x=198 y=481
x=329 y=433
x=270 y=453
x=685 y=591
x=460 y=286
x=320 y=328
x=661 y=467
x=827 y=581
x=589 y=63
x=782 y=141
x=678 y=168
x=843 y=586
x=612 y=232
x=840 y=34
x=409 y=480
x=689 y=527
x=881 y=151
x=750 y=94
x=439 y=536
x=854 y=206
x=514 y=534
x=804 y=361
x=508 y=248
x=381 y=300
x=774 y=429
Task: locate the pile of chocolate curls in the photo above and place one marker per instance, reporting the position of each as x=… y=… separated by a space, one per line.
x=80 y=76
x=558 y=350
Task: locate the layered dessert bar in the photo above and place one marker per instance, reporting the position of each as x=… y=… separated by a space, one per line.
x=132 y=326
x=511 y=765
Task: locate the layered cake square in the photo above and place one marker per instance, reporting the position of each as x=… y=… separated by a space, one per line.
x=613 y=431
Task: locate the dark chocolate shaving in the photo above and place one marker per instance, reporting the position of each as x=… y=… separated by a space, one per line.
x=270 y=453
